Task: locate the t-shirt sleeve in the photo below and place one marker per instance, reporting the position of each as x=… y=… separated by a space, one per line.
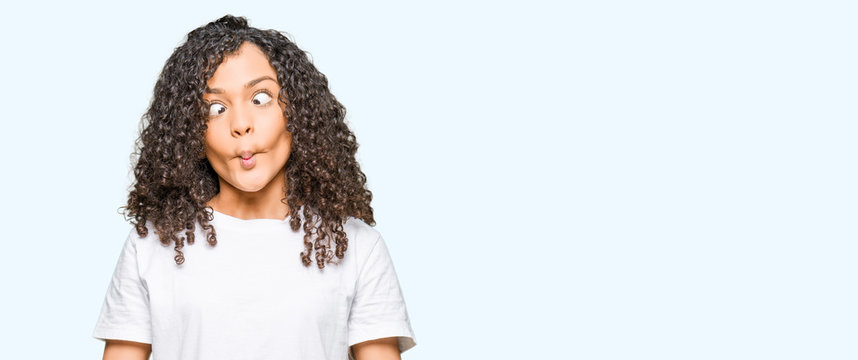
x=125 y=312
x=378 y=308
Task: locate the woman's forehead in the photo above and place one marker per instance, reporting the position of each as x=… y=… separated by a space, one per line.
x=246 y=64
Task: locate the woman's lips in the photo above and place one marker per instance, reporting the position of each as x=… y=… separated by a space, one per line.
x=248 y=162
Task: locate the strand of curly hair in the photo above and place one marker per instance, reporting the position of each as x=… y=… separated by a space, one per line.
x=174 y=180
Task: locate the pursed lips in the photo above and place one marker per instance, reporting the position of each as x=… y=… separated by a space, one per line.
x=247 y=159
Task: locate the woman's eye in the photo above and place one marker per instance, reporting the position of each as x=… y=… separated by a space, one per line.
x=261 y=98
x=216 y=109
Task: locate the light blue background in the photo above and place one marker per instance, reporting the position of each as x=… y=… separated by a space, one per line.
x=594 y=180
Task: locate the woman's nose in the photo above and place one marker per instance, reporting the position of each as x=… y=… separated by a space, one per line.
x=242 y=123
x=243 y=130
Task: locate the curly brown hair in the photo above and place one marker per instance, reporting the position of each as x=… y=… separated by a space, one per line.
x=174 y=180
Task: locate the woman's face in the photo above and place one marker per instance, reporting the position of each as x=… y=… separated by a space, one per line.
x=246 y=140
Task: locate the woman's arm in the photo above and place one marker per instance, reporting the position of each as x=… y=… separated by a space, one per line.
x=378 y=349
x=126 y=350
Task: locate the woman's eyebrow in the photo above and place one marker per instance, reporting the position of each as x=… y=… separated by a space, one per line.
x=246 y=86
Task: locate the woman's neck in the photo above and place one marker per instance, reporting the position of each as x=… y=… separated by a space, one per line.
x=263 y=204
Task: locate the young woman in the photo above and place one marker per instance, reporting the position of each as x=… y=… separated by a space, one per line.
x=244 y=146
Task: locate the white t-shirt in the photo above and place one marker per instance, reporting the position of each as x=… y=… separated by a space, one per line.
x=249 y=296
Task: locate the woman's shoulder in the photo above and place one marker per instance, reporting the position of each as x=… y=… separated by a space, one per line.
x=357 y=228
x=142 y=244
x=134 y=234
x=361 y=236
x=150 y=236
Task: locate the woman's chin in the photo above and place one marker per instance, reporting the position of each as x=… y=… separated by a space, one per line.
x=250 y=185
x=250 y=189
x=254 y=181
